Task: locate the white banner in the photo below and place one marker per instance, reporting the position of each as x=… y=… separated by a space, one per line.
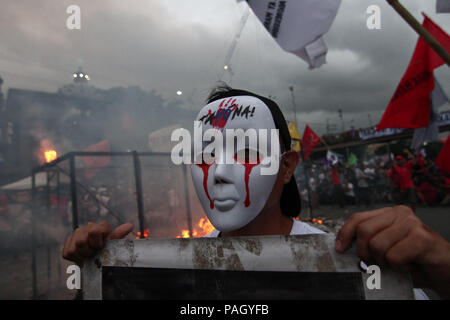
x=298 y=25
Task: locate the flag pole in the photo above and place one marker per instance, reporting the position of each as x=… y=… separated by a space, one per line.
x=291 y=88
x=429 y=39
x=307 y=180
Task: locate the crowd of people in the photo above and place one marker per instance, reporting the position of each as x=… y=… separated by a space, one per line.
x=402 y=179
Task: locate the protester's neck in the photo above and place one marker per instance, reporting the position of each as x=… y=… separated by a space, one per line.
x=270 y=221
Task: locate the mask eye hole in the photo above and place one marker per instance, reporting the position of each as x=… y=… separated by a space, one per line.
x=248 y=156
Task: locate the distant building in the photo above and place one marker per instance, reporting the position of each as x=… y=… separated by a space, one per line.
x=75 y=117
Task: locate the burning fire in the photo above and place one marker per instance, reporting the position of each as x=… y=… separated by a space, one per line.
x=50 y=155
x=203 y=228
x=313 y=220
x=145 y=234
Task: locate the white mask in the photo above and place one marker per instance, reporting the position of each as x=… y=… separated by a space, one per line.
x=234 y=194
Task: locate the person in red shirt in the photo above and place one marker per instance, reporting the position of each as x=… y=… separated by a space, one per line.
x=400 y=174
x=425 y=192
x=335 y=176
x=337 y=186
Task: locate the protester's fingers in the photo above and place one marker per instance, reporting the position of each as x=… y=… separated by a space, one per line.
x=348 y=230
x=97 y=232
x=121 y=231
x=65 y=251
x=81 y=242
x=366 y=230
x=406 y=252
x=103 y=227
x=85 y=241
x=70 y=251
x=96 y=240
x=383 y=241
x=95 y=237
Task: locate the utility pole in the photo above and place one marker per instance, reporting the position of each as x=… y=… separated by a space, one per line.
x=342 y=119
x=291 y=88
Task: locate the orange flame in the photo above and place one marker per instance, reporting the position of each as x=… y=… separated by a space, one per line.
x=203 y=228
x=50 y=155
x=145 y=234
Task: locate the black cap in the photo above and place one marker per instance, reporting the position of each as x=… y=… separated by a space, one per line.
x=290 y=202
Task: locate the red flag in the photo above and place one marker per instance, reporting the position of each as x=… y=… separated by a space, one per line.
x=309 y=141
x=411 y=103
x=93 y=163
x=443 y=159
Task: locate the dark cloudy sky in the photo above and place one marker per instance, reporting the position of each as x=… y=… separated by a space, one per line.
x=175 y=45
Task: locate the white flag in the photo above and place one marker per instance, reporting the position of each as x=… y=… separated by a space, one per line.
x=430 y=132
x=298 y=25
x=443 y=6
x=332 y=157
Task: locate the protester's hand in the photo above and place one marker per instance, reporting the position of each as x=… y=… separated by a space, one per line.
x=86 y=240
x=396 y=237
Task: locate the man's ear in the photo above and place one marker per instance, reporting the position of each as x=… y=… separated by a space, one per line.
x=290 y=161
